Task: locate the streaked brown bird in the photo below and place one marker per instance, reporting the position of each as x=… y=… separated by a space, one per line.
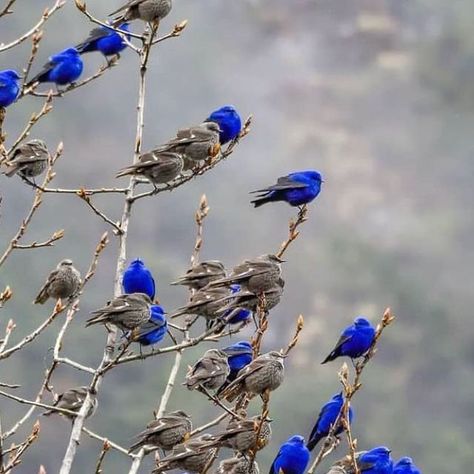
x=159 y=167
x=237 y=465
x=29 y=159
x=197 y=143
x=256 y=275
x=146 y=10
x=206 y=302
x=192 y=456
x=165 y=432
x=63 y=282
x=127 y=312
x=241 y=435
x=210 y=371
x=201 y=275
x=264 y=374
x=72 y=400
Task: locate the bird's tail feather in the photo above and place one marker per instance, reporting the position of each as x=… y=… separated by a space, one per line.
x=329 y=358
x=261 y=201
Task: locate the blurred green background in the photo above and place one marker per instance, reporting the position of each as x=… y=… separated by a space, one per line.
x=379 y=97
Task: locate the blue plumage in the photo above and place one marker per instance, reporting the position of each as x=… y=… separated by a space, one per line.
x=229 y=122
x=9 y=87
x=376 y=461
x=104 y=40
x=239 y=355
x=355 y=340
x=327 y=417
x=293 y=457
x=62 y=68
x=296 y=189
x=138 y=279
x=405 y=466
x=152 y=331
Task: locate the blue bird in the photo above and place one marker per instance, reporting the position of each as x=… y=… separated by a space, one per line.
x=405 y=466
x=354 y=342
x=239 y=355
x=138 y=279
x=293 y=457
x=104 y=40
x=153 y=330
x=62 y=68
x=229 y=123
x=238 y=315
x=296 y=189
x=327 y=417
x=376 y=461
x=9 y=87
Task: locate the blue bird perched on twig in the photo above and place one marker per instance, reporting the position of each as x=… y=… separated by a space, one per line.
x=292 y=458
x=105 y=40
x=296 y=189
x=354 y=342
x=229 y=122
x=154 y=330
x=9 y=87
x=326 y=419
x=376 y=461
x=62 y=68
x=138 y=279
x=405 y=466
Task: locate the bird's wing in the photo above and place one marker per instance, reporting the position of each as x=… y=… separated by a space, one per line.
x=44 y=70
x=241 y=350
x=94 y=35
x=129 y=4
x=119 y=305
x=253 y=367
x=341 y=341
x=146 y=328
x=72 y=399
x=285 y=182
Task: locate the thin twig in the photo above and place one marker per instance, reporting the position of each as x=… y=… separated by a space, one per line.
x=45 y=17
x=293 y=231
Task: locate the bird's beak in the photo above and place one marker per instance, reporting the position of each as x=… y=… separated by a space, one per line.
x=281 y=260
x=268 y=420
x=284 y=356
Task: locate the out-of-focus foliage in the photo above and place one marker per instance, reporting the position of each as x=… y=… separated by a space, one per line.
x=378 y=96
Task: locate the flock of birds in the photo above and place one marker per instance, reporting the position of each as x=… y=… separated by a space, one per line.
x=220 y=299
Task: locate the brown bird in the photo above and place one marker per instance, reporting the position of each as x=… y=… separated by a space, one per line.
x=63 y=282
x=165 y=432
x=264 y=374
x=72 y=400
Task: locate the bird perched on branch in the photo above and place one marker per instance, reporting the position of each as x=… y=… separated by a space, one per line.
x=192 y=456
x=105 y=40
x=197 y=143
x=165 y=432
x=29 y=159
x=137 y=278
x=292 y=458
x=326 y=419
x=375 y=461
x=229 y=122
x=63 y=282
x=237 y=465
x=250 y=301
x=153 y=331
x=354 y=342
x=72 y=400
x=241 y=435
x=405 y=466
x=256 y=275
x=62 y=68
x=210 y=371
x=206 y=302
x=146 y=10
x=296 y=189
x=264 y=374
x=159 y=167
x=201 y=275
x=127 y=312
x=9 y=87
